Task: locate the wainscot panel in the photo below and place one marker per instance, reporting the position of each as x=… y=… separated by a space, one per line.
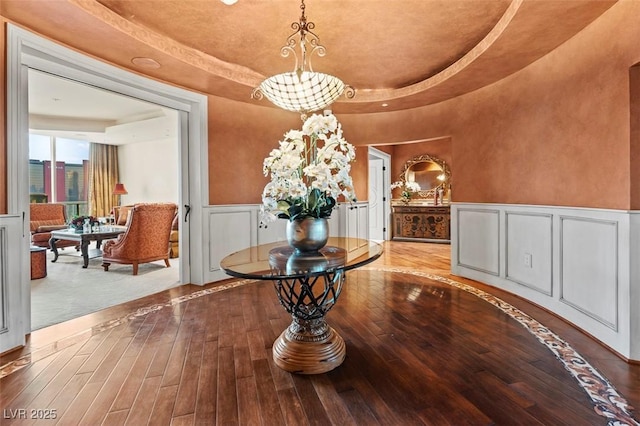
x=633 y=291
x=15 y=303
x=579 y=263
x=4 y=287
x=589 y=260
x=231 y=228
x=528 y=251
x=479 y=239
x=272 y=232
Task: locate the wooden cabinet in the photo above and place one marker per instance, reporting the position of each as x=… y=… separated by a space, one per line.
x=422 y=223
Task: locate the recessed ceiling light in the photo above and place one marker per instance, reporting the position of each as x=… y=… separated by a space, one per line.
x=385 y=104
x=229 y=2
x=146 y=63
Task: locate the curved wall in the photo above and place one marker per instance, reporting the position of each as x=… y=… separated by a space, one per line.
x=556 y=133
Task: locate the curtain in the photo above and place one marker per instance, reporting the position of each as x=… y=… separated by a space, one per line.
x=103 y=176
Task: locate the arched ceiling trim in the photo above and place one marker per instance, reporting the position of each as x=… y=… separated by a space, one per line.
x=460 y=65
x=515 y=34
x=193 y=57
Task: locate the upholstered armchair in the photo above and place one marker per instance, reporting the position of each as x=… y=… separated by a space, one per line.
x=146 y=238
x=44 y=218
x=174 y=238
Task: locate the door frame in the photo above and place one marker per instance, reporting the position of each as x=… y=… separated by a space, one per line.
x=27 y=50
x=386 y=182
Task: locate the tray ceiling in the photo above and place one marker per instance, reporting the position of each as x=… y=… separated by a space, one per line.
x=402 y=53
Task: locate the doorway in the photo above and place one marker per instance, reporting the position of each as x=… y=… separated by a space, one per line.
x=65 y=118
x=29 y=51
x=379 y=194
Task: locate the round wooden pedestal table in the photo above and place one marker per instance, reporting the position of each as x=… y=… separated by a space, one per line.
x=308 y=345
x=308 y=286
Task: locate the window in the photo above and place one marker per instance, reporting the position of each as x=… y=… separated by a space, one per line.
x=65 y=183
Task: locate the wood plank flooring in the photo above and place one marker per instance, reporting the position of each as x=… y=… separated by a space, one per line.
x=419 y=352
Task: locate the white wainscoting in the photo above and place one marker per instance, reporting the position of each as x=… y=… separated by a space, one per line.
x=15 y=306
x=634 y=279
x=529 y=240
x=4 y=283
x=589 y=256
x=231 y=228
x=479 y=236
x=578 y=263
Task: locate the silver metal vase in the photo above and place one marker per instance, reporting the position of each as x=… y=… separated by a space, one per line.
x=308 y=235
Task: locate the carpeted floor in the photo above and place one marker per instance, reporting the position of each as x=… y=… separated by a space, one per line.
x=69 y=291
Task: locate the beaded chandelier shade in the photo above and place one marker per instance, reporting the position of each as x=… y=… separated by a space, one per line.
x=302 y=90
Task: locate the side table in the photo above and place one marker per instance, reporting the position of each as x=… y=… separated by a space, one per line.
x=38 y=262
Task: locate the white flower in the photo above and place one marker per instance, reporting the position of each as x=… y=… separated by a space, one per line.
x=294 y=135
x=320 y=124
x=413 y=186
x=309 y=170
x=397 y=184
x=407 y=188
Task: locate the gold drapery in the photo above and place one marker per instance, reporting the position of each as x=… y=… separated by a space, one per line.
x=103 y=176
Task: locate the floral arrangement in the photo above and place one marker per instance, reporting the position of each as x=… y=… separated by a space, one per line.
x=309 y=171
x=408 y=189
x=78 y=221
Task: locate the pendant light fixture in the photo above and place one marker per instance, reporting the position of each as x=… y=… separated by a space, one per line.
x=302 y=90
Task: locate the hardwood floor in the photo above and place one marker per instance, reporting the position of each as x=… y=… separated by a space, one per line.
x=421 y=349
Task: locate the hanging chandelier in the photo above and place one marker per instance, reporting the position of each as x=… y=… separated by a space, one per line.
x=302 y=90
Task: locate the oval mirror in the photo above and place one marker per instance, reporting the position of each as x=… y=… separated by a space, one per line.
x=431 y=173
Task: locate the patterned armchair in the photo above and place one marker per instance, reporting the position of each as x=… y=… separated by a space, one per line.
x=174 y=238
x=44 y=218
x=146 y=238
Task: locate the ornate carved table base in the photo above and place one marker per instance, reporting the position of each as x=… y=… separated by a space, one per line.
x=308 y=285
x=309 y=345
x=305 y=352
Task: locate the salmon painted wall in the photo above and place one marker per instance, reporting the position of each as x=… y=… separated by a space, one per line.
x=555 y=133
x=240 y=137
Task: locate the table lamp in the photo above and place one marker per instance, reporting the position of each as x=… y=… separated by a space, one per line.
x=119 y=190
